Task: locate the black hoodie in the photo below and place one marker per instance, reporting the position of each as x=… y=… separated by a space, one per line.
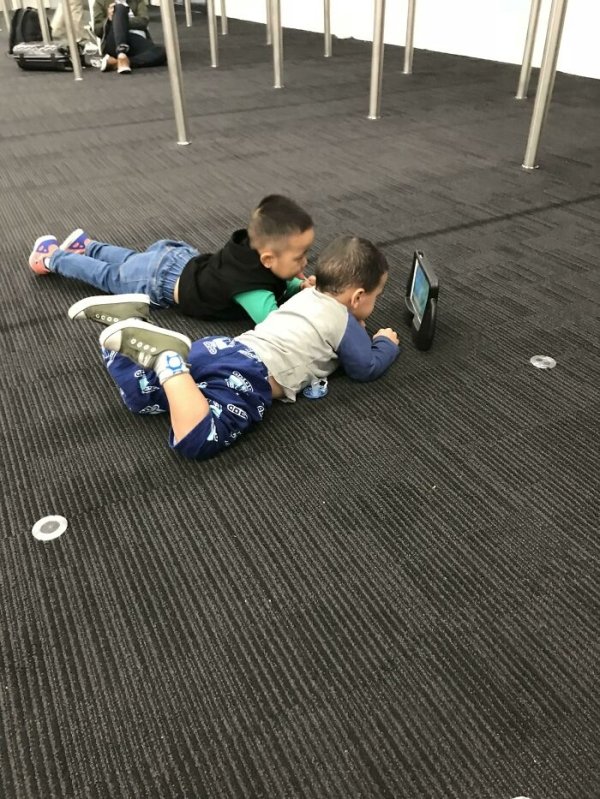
x=210 y=281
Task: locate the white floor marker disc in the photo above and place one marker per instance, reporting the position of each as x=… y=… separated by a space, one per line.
x=542 y=362
x=49 y=528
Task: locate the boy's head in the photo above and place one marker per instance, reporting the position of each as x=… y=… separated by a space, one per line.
x=282 y=233
x=354 y=271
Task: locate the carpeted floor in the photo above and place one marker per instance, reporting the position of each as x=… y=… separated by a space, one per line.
x=392 y=592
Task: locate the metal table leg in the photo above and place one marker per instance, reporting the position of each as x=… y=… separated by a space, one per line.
x=6 y=15
x=188 y=13
x=543 y=95
x=212 y=33
x=269 y=23
x=410 y=35
x=377 y=60
x=167 y=14
x=534 y=15
x=73 y=49
x=43 y=22
x=327 y=27
x=277 y=34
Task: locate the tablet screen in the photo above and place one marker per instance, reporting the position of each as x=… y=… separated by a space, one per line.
x=419 y=291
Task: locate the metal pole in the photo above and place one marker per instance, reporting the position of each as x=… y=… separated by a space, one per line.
x=224 y=28
x=167 y=15
x=43 y=22
x=6 y=15
x=410 y=35
x=377 y=59
x=534 y=15
x=327 y=27
x=212 y=33
x=277 y=34
x=188 y=13
x=73 y=49
x=269 y=24
x=545 y=86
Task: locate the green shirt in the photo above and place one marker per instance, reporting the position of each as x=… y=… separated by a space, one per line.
x=259 y=303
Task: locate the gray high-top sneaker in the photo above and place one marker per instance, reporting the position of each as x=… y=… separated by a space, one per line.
x=112 y=308
x=143 y=342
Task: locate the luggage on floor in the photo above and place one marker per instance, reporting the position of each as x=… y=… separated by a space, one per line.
x=53 y=57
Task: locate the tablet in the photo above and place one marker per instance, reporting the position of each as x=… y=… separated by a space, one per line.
x=421 y=300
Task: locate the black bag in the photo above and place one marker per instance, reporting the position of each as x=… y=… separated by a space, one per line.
x=54 y=57
x=24 y=27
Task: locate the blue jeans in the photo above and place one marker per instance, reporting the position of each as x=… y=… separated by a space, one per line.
x=117 y=270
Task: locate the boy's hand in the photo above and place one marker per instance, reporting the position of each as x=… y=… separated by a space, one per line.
x=388 y=333
x=308 y=282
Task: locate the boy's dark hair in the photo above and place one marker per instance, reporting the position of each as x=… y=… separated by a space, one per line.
x=277 y=217
x=350 y=261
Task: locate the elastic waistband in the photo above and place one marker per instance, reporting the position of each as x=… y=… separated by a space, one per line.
x=173 y=263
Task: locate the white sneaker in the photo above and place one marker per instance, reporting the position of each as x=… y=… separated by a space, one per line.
x=108 y=63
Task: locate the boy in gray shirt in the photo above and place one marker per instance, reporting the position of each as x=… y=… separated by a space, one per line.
x=217 y=387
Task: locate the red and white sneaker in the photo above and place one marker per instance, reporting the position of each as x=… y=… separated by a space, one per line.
x=40 y=255
x=75 y=242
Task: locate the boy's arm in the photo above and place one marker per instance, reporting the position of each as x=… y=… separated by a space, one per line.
x=293 y=287
x=364 y=358
x=258 y=304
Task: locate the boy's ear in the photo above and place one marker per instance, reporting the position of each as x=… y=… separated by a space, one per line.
x=356 y=297
x=267 y=257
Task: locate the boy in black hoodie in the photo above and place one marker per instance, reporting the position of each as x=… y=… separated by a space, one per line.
x=259 y=268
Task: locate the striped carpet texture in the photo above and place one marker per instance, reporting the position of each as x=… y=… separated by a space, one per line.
x=392 y=592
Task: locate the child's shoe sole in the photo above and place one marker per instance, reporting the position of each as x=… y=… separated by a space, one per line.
x=143 y=342
x=110 y=309
x=41 y=251
x=75 y=242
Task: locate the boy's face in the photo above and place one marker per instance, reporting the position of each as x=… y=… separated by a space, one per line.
x=362 y=302
x=287 y=258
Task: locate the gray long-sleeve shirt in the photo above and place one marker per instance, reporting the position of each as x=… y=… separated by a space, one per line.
x=312 y=334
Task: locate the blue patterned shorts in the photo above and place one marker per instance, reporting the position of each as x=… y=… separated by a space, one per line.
x=232 y=378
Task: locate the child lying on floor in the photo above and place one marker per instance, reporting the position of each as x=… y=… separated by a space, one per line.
x=217 y=387
x=256 y=271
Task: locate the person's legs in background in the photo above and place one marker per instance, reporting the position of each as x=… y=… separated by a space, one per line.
x=141 y=52
x=116 y=43
x=145 y=53
x=58 y=27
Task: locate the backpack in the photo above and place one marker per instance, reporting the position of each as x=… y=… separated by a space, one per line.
x=24 y=27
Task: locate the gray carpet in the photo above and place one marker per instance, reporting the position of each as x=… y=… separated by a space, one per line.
x=392 y=592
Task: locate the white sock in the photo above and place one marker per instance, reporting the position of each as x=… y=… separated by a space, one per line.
x=168 y=364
